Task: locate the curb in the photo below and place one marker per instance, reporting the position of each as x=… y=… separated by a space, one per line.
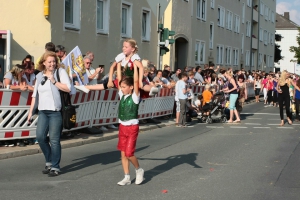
x=89 y=139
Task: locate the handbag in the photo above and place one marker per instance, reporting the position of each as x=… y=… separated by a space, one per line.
x=68 y=111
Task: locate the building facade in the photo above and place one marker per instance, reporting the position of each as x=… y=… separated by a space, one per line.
x=289 y=31
x=235 y=33
x=94 y=25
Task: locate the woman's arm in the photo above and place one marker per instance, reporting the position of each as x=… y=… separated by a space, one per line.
x=136 y=75
x=294 y=84
x=110 y=83
x=119 y=75
x=64 y=83
x=141 y=72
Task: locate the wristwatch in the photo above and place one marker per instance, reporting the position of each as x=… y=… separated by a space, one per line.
x=54 y=82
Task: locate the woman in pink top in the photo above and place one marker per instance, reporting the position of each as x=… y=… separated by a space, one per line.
x=265 y=88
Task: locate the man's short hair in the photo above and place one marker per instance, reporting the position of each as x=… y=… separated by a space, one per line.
x=197 y=68
x=86 y=57
x=50 y=47
x=59 y=48
x=182 y=75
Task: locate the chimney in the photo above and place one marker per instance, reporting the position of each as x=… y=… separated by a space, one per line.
x=286 y=15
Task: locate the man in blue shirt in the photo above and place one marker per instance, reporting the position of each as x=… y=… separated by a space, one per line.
x=181 y=93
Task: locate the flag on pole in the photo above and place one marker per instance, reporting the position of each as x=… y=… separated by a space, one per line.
x=73 y=64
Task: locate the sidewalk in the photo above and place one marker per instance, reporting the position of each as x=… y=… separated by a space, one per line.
x=78 y=140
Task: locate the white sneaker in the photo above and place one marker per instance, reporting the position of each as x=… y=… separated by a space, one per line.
x=139 y=176
x=153 y=91
x=112 y=126
x=103 y=128
x=82 y=88
x=125 y=181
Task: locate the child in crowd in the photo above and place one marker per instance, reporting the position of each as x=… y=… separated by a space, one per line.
x=207 y=95
x=128 y=118
x=128 y=58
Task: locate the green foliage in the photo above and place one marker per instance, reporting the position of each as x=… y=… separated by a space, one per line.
x=296 y=49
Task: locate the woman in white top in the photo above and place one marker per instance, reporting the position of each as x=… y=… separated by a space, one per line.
x=13 y=79
x=46 y=91
x=257 y=86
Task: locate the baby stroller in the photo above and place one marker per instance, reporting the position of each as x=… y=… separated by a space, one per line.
x=215 y=108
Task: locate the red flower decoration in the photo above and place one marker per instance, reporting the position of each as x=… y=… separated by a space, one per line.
x=131 y=64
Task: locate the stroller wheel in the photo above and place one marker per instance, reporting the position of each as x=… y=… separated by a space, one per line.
x=224 y=119
x=208 y=120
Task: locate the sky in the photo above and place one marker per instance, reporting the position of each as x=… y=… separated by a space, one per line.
x=292 y=6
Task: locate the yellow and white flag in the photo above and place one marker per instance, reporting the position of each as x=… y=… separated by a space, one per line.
x=73 y=64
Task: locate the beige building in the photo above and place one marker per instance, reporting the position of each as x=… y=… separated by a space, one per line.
x=93 y=25
x=225 y=33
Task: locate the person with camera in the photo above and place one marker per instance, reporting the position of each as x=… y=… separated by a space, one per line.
x=46 y=98
x=92 y=73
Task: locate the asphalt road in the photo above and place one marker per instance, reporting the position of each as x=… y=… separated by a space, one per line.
x=252 y=160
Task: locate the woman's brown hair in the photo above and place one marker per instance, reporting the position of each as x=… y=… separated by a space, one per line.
x=41 y=66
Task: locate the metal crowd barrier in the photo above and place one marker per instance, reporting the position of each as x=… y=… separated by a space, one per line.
x=95 y=109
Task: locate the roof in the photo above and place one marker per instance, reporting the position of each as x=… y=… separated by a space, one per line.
x=285 y=23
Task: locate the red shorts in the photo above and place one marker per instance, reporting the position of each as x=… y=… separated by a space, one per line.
x=127 y=139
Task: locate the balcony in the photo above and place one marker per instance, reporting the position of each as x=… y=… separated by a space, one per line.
x=255 y=16
x=254 y=43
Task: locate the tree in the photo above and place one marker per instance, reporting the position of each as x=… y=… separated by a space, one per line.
x=295 y=49
x=277 y=52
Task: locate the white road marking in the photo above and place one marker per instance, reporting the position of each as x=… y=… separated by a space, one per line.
x=238 y=127
x=259 y=114
x=261 y=127
x=214 y=127
x=286 y=127
x=253 y=118
x=274 y=119
x=274 y=124
x=253 y=123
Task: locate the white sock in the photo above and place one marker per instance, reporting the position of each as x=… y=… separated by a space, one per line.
x=127 y=176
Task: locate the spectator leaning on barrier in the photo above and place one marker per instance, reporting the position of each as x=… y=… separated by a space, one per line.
x=27 y=58
x=198 y=75
x=29 y=76
x=181 y=92
x=48 y=100
x=14 y=80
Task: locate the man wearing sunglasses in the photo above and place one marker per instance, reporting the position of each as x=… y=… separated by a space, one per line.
x=91 y=72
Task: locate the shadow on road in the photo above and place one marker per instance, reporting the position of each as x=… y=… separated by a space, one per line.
x=101 y=158
x=172 y=161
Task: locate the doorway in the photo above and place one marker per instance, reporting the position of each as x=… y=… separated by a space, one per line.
x=181 y=53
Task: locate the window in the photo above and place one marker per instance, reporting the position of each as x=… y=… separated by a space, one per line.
x=268 y=61
x=261 y=34
x=72 y=14
x=220 y=50
x=243 y=14
x=272 y=17
x=252 y=58
x=249 y=3
x=235 y=54
x=272 y=39
x=260 y=60
x=271 y=62
x=201 y=9
x=102 y=16
x=221 y=16
x=211 y=35
x=228 y=56
x=243 y=43
x=212 y=3
x=236 y=24
x=262 y=8
x=266 y=12
x=229 y=20
x=200 y=52
x=270 y=14
x=248 y=28
x=265 y=37
x=247 y=64
x=126 y=24
x=146 y=17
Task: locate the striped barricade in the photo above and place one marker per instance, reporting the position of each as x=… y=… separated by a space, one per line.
x=106 y=109
x=86 y=108
x=13 y=115
x=164 y=102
